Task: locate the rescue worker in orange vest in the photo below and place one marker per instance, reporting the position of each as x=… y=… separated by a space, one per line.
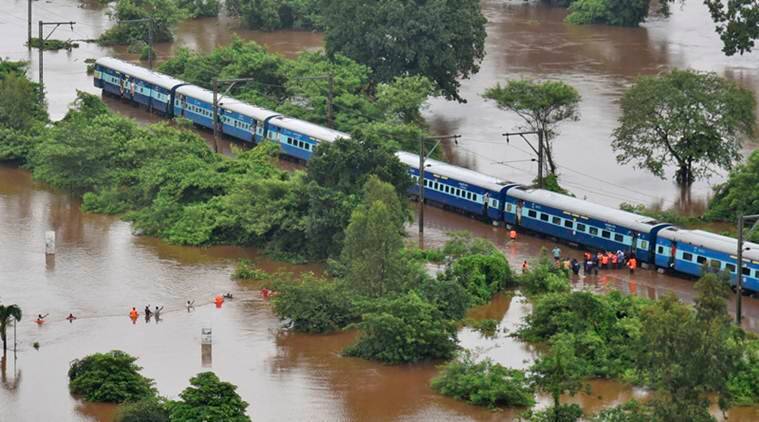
x=525 y=267
x=513 y=234
x=614 y=261
x=605 y=262
x=133 y=313
x=632 y=263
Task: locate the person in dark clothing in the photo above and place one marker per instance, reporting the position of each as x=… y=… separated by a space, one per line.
x=575 y=266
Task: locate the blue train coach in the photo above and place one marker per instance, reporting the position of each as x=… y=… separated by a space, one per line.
x=695 y=251
x=137 y=84
x=298 y=138
x=458 y=188
x=582 y=222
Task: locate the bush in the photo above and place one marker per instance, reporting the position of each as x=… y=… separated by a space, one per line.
x=143 y=411
x=314 y=306
x=246 y=270
x=111 y=377
x=482 y=275
x=449 y=296
x=563 y=413
x=402 y=330
x=486 y=327
x=543 y=278
x=631 y=411
x=743 y=385
x=208 y=399
x=484 y=383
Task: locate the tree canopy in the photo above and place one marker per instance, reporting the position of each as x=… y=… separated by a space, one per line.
x=440 y=39
x=208 y=399
x=111 y=377
x=164 y=15
x=738 y=193
x=269 y=15
x=8 y=314
x=737 y=23
x=692 y=120
x=542 y=106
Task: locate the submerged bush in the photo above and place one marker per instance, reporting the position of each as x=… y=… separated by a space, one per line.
x=544 y=277
x=111 y=377
x=246 y=270
x=313 y=305
x=484 y=383
x=150 y=410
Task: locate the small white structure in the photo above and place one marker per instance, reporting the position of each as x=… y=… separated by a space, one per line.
x=205 y=336
x=50 y=242
x=206 y=351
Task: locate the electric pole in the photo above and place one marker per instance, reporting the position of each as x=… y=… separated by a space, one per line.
x=422 y=159
x=150 y=36
x=29 y=21
x=330 y=78
x=215 y=86
x=538 y=151
x=41 y=48
x=739 y=270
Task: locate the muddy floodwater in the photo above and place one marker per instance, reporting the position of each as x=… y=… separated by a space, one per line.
x=101 y=269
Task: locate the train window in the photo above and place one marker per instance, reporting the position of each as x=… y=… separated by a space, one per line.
x=532 y=213
x=508 y=208
x=700 y=259
x=687 y=256
x=715 y=264
x=746 y=271
x=569 y=224
x=643 y=244
x=544 y=216
x=605 y=234
x=594 y=231
x=619 y=238
x=660 y=250
x=730 y=267
x=556 y=220
x=581 y=227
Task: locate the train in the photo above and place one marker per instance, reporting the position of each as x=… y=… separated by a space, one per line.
x=655 y=243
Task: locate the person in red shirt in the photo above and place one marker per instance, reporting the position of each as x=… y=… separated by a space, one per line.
x=632 y=264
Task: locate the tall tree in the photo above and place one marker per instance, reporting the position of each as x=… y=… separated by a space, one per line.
x=693 y=120
x=737 y=23
x=7 y=314
x=443 y=40
x=558 y=371
x=371 y=255
x=542 y=106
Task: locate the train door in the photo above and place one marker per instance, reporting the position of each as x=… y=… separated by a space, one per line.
x=634 y=246
x=673 y=255
x=520 y=205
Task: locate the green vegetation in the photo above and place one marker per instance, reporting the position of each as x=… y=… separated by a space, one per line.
x=111 y=377
x=208 y=399
x=200 y=8
x=544 y=277
x=690 y=119
x=54 y=44
x=558 y=371
x=402 y=330
x=484 y=383
x=22 y=115
x=737 y=23
x=246 y=270
x=441 y=40
x=313 y=305
x=8 y=313
x=738 y=194
x=542 y=106
x=270 y=15
x=149 y=410
x=163 y=15
x=486 y=327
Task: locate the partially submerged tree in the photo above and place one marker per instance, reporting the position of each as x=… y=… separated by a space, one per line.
x=163 y=15
x=559 y=371
x=111 y=377
x=8 y=314
x=442 y=40
x=693 y=120
x=542 y=106
x=208 y=399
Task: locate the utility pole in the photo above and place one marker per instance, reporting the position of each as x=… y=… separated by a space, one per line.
x=29 y=21
x=42 y=48
x=422 y=159
x=215 y=86
x=739 y=270
x=150 y=36
x=330 y=78
x=538 y=151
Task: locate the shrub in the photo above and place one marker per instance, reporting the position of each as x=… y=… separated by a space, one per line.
x=486 y=327
x=544 y=277
x=744 y=383
x=111 y=377
x=313 y=305
x=246 y=270
x=562 y=413
x=449 y=296
x=404 y=329
x=631 y=411
x=143 y=411
x=482 y=275
x=484 y=383
x=208 y=399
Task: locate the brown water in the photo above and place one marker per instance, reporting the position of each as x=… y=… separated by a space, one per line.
x=101 y=269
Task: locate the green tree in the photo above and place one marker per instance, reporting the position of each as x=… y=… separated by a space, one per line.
x=402 y=330
x=22 y=115
x=111 y=377
x=559 y=371
x=164 y=15
x=484 y=383
x=312 y=305
x=482 y=275
x=612 y=12
x=439 y=39
x=150 y=410
x=200 y=8
x=690 y=119
x=208 y=399
x=737 y=23
x=542 y=106
x=738 y=193
x=8 y=313
x=374 y=265
x=269 y=15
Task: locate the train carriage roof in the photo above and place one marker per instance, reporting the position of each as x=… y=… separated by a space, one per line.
x=164 y=81
x=711 y=241
x=310 y=129
x=454 y=172
x=581 y=207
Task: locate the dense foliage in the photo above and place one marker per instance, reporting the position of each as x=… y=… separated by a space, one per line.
x=484 y=383
x=208 y=399
x=163 y=16
x=150 y=410
x=695 y=121
x=402 y=330
x=269 y=15
x=388 y=113
x=22 y=115
x=314 y=305
x=542 y=106
x=544 y=277
x=439 y=39
x=738 y=194
x=111 y=377
x=737 y=23
x=8 y=314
